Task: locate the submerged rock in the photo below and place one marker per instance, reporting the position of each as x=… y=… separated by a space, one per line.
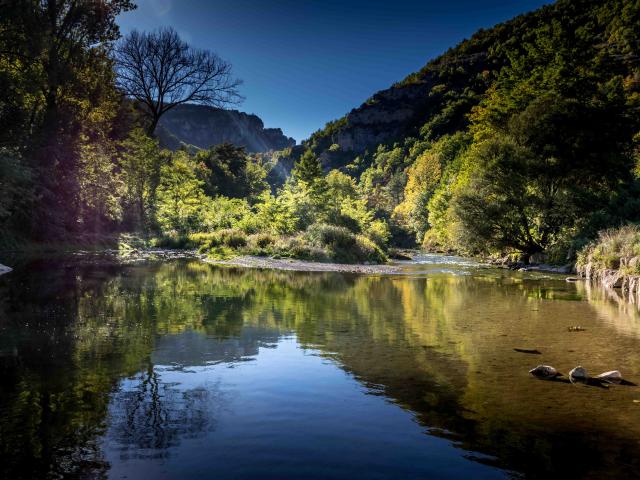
x=4 y=269
x=576 y=328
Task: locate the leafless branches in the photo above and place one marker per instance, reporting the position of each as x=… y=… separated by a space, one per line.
x=161 y=71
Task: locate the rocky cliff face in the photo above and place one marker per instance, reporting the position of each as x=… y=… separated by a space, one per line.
x=203 y=127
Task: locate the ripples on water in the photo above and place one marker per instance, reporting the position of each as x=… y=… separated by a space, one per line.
x=186 y=370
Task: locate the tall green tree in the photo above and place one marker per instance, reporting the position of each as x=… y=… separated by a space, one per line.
x=54 y=57
x=180 y=195
x=231 y=172
x=556 y=164
x=141 y=161
x=308 y=168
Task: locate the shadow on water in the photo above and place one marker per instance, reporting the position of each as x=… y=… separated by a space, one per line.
x=108 y=368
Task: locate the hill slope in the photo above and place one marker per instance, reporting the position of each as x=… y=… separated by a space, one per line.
x=438 y=99
x=523 y=138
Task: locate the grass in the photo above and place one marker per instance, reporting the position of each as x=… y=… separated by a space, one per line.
x=320 y=242
x=614 y=249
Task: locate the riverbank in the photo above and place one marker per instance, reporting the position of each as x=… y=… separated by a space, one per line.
x=509 y=264
x=613 y=261
x=251 y=261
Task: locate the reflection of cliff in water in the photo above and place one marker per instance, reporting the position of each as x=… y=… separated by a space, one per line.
x=189 y=348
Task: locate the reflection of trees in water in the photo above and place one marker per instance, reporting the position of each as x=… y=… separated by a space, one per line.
x=614 y=306
x=148 y=417
x=51 y=408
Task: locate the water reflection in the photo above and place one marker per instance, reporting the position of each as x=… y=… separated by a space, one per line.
x=174 y=369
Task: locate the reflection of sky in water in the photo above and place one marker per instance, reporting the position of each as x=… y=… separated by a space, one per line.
x=290 y=412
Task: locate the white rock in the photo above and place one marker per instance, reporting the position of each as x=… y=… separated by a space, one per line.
x=4 y=269
x=544 y=371
x=578 y=374
x=613 y=376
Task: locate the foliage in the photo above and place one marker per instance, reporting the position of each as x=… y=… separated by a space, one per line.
x=17 y=193
x=613 y=249
x=344 y=246
x=140 y=163
x=524 y=138
x=100 y=186
x=57 y=85
x=180 y=195
x=231 y=172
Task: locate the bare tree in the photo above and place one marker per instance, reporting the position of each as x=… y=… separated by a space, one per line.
x=161 y=71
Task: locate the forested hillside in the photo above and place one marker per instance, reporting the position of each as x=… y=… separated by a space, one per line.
x=524 y=137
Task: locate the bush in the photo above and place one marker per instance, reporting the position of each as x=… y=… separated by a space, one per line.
x=197 y=240
x=233 y=238
x=298 y=247
x=206 y=242
x=260 y=244
x=262 y=240
x=612 y=248
x=171 y=240
x=378 y=232
x=368 y=251
x=330 y=236
x=343 y=246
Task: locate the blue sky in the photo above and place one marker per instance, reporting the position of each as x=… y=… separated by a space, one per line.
x=307 y=62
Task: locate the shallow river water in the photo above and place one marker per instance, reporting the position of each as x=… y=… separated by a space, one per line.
x=181 y=369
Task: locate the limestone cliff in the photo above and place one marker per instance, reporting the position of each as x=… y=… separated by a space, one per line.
x=203 y=127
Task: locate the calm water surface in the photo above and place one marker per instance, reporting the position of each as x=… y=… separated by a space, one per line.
x=186 y=370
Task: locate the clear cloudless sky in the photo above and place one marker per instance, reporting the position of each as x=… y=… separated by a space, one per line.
x=306 y=62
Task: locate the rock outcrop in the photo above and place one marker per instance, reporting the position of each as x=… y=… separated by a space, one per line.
x=204 y=126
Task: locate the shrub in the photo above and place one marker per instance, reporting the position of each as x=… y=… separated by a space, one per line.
x=171 y=240
x=262 y=240
x=298 y=247
x=343 y=246
x=611 y=248
x=260 y=244
x=206 y=242
x=330 y=236
x=233 y=238
x=378 y=232
x=368 y=251
x=197 y=240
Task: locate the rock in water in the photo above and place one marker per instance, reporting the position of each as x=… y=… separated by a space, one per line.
x=4 y=269
x=545 y=372
x=576 y=328
x=578 y=375
x=614 y=376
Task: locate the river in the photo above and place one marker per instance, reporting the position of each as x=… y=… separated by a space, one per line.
x=181 y=369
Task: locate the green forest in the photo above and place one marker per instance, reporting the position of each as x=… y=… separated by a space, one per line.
x=527 y=142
